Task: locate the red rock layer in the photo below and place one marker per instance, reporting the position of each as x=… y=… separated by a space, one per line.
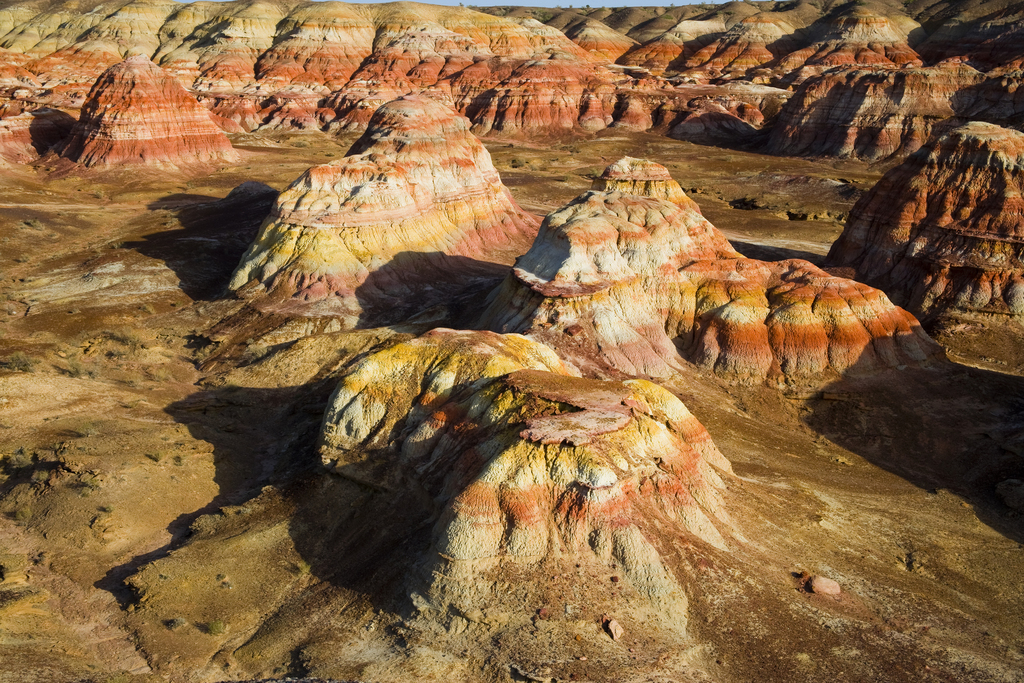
x=860 y=38
x=527 y=462
x=945 y=229
x=416 y=198
x=628 y=282
x=136 y=113
x=669 y=51
x=601 y=41
x=752 y=43
x=871 y=113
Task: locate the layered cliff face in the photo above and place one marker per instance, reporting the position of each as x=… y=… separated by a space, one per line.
x=944 y=231
x=872 y=113
x=137 y=113
x=292 y=65
x=670 y=50
x=860 y=38
x=416 y=197
x=528 y=463
x=753 y=42
x=631 y=278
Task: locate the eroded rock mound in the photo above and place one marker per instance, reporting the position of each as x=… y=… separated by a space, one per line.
x=860 y=37
x=528 y=462
x=871 y=113
x=415 y=199
x=632 y=278
x=945 y=229
x=137 y=113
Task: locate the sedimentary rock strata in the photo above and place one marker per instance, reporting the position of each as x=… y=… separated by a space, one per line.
x=747 y=45
x=871 y=113
x=945 y=229
x=417 y=198
x=670 y=50
x=527 y=461
x=137 y=113
x=632 y=278
x=857 y=38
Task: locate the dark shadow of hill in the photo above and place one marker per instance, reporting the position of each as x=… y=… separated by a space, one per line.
x=945 y=426
x=258 y=436
x=767 y=252
x=213 y=235
x=413 y=283
x=49 y=128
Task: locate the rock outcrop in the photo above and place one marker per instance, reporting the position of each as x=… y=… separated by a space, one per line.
x=871 y=113
x=747 y=45
x=631 y=278
x=527 y=462
x=601 y=41
x=137 y=113
x=23 y=138
x=670 y=50
x=416 y=199
x=859 y=38
x=944 y=231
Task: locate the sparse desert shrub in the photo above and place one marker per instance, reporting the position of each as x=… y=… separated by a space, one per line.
x=160 y=374
x=19 y=361
x=254 y=352
x=517 y=163
x=155 y=456
x=302 y=568
x=175 y=623
x=23 y=514
x=216 y=627
x=127 y=338
x=76 y=368
x=17 y=460
x=87 y=429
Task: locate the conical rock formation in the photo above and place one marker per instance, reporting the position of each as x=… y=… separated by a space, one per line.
x=415 y=189
x=635 y=283
x=944 y=230
x=527 y=461
x=137 y=113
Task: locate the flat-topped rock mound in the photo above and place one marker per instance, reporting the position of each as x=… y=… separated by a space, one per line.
x=416 y=198
x=639 y=284
x=137 y=113
x=528 y=463
x=944 y=230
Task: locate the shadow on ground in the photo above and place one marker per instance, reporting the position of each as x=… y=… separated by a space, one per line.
x=765 y=252
x=946 y=426
x=208 y=236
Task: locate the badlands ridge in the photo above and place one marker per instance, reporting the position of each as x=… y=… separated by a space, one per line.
x=483 y=393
